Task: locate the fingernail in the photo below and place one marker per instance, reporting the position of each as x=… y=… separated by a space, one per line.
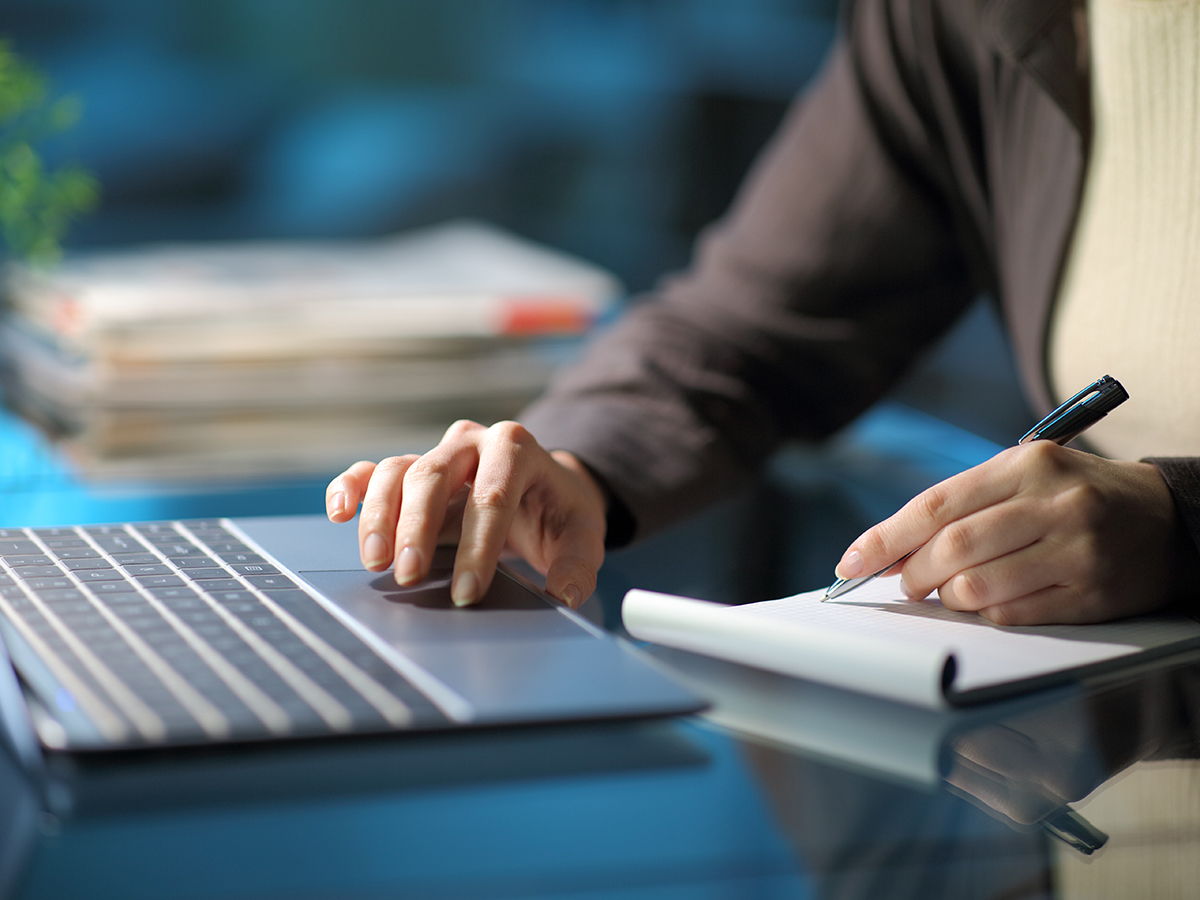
x=408 y=566
x=909 y=592
x=850 y=565
x=572 y=596
x=465 y=587
x=375 y=551
x=336 y=504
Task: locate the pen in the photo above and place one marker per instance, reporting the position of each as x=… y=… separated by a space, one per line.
x=1067 y=422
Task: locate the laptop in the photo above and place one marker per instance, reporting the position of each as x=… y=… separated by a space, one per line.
x=203 y=631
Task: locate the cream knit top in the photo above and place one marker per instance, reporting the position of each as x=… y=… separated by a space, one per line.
x=1130 y=299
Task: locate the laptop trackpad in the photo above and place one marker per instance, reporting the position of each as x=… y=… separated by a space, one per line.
x=424 y=612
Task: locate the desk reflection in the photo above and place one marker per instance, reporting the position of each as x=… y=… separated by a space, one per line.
x=883 y=801
x=661 y=809
x=788 y=790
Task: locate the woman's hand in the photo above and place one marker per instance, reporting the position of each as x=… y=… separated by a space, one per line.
x=1038 y=534
x=489 y=488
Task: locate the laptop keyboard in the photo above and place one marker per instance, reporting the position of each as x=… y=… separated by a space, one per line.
x=180 y=632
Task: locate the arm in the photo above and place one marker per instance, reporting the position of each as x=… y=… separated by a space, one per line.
x=839 y=262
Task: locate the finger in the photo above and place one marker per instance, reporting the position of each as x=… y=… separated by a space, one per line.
x=928 y=512
x=1021 y=574
x=346 y=491
x=380 y=507
x=967 y=544
x=430 y=487
x=1056 y=605
x=506 y=460
x=572 y=575
x=577 y=550
x=451 y=529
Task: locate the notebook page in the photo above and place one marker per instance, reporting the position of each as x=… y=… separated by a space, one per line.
x=985 y=654
x=817 y=647
x=852 y=642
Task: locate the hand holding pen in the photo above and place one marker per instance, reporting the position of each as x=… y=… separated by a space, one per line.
x=1039 y=533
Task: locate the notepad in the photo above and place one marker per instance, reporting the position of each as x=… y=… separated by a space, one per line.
x=877 y=642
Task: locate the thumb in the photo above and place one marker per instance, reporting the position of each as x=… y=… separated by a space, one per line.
x=572 y=576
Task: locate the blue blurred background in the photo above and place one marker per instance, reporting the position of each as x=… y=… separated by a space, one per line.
x=609 y=128
x=613 y=129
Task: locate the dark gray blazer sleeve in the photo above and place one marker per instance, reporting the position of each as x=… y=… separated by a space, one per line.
x=839 y=261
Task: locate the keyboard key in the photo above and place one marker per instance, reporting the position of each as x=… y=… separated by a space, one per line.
x=90 y=575
x=233 y=596
x=157 y=569
x=216 y=585
x=163 y=538
x=205 y=574
x=177 y=550
x=18 y=547
x=39 y=584
x=241 y=558
x=151 y=581
x=31 y=559
x=136 y=559
x=55 y=532
x=120 y=543
x=156 y=528
x=270 y=582
x=254 y=569
x=105 y=530
x=58 y=543
x=63 y=594
x=108 y=588
x=223 y=547
x=115 y=599
x=76 y=565
x=76 y=553
x=195 y=562
x=174 y=593
x=39 y=571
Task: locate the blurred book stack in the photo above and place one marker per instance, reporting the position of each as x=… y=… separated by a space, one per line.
x=185 y=362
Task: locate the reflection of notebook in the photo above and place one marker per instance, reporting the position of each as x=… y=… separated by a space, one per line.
x=198 y=631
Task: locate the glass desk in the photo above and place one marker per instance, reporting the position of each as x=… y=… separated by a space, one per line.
x=802 y=792
x=785 y=790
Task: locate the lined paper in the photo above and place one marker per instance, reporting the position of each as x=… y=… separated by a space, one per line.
x=875 y=641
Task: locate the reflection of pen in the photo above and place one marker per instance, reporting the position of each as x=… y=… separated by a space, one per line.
x=1074 y=830
x=1066 y=423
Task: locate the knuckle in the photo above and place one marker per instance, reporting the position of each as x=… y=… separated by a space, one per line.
x=425 y=474
x=929 y=504
x=510 y=432
x=1084 y=502
x=959 y=540
x=491 y=497
x=875 y=543
x=460 y=429
x=392 y=465
x=375 y=514
x=1041 y=458
x=971 y=590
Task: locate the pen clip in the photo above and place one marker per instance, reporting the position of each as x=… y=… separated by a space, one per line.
x=1079 y=412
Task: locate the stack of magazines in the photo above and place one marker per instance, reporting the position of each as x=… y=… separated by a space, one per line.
x=238 y=360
